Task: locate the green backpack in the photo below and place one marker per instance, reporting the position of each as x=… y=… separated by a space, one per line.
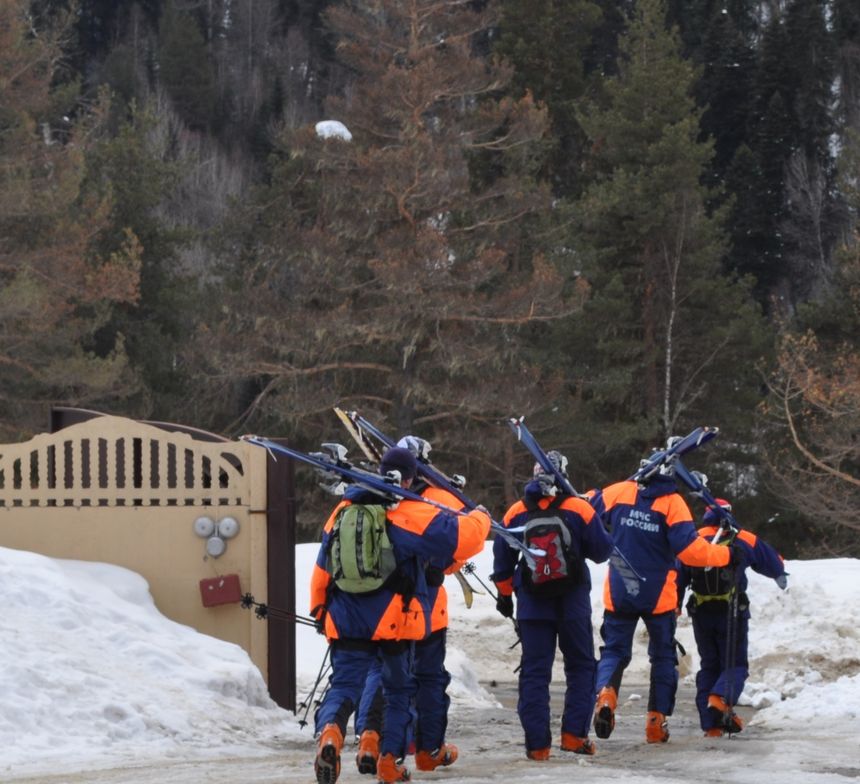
x=360 y=556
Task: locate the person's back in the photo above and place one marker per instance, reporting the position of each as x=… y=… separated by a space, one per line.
x=719 y=610
x=586 y=541
x=651 y=525
x=362 y=627
x=553 y=606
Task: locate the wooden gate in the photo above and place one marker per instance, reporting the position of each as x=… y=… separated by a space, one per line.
x=111 y=489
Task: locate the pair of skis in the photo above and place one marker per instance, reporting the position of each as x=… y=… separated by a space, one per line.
x=670 y=456
x=358 y=426
x=337 y=471
x=525 y=437
x=676 y=447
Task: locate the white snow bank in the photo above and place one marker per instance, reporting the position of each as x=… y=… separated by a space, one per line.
x=92 y=670
x=94 y=676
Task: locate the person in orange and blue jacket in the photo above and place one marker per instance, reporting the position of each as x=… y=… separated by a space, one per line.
x=554 y=612
x=650 y=524
x=431 y=700
x=723 y=672
x=383 y=624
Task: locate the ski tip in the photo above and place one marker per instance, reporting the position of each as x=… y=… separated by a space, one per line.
x=707 y=434
x=516 y=425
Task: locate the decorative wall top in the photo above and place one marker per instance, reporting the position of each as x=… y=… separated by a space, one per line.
x=114 y=461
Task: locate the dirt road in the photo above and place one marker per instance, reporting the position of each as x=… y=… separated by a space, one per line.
x=490 y=742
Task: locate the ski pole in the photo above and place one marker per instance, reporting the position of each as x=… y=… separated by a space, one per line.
x=732 y=643
x=324 y=667
x=470 y=568
x=371 y=452
x=264 y=611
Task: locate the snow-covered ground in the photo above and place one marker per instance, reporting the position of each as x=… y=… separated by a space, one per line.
x=97 y=686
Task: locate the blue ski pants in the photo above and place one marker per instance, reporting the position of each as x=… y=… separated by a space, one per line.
x=573 y=635
x=370 y=707
x=432 y=700
x=351 y=661
x=710 y=627
x=617 y=650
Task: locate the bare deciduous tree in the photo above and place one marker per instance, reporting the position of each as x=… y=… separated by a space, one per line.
x=816 y=397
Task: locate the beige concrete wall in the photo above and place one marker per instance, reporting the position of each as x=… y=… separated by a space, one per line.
x=69 y=495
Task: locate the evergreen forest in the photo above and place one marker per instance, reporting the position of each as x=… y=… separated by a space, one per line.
x=620 y=219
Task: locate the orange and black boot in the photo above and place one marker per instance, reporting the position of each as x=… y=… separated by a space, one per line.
x=327 y=763
x=390 y=769
x=723 y=716
x=604 y=712
x=445 y=755
x=577 y=745
x=713 y=732
x=539 y=755
x=656 y=728
x=368 y=752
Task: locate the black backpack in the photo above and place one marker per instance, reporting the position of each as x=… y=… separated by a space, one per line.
x=561 y=567
x=716 y=583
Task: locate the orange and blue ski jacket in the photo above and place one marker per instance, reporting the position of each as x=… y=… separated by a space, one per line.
x=589 y=538
x=419 y=534
x=760 y=557
x=650 y=527
x=437 y=594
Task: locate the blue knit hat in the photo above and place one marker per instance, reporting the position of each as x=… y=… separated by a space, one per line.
x=399 y=459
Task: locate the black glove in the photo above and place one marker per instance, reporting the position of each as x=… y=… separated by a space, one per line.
x=505 y=605
x=739 y=558
x=319 y=613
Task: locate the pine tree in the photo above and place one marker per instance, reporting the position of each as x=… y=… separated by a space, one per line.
x=790 y=131
x=132 y=167
x=669 y=340
x=184 y=67
x=846 y=32
x=548 y=43
x=56 y=289
x=725 y=89
x=402 y=271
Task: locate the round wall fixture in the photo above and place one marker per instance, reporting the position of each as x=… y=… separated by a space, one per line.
x=215 y=546
x=228 y=527
x=204 y=527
